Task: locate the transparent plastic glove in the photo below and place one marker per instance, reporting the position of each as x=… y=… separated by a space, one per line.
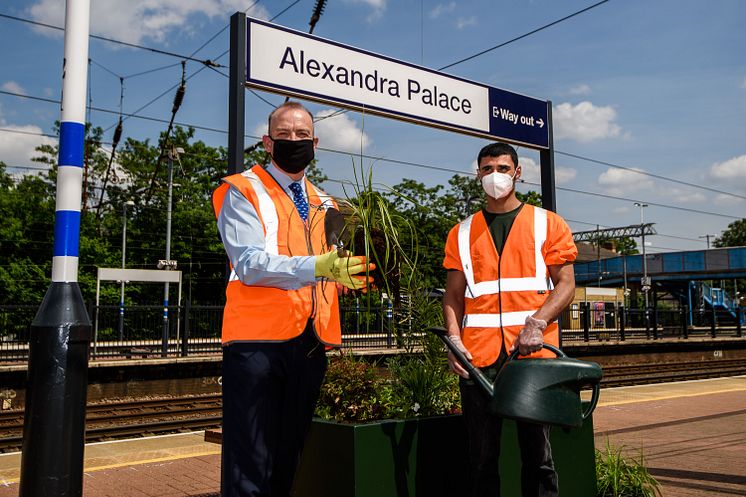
x=343 y=269
x=453 y=362
x=531 y=337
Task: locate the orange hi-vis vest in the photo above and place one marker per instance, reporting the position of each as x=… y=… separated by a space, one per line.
x=262 y=313
x=502 y=290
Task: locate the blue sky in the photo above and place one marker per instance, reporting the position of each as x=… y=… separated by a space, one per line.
x=655 y=86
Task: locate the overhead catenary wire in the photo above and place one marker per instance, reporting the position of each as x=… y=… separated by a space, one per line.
x=206 y=62
x=178 y=99
x=213 y=64
x=652 y=175
x=349 y=182
x=115 y=141
x=524 y=35
x=407 y=163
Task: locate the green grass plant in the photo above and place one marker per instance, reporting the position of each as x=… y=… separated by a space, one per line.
x=619 y=476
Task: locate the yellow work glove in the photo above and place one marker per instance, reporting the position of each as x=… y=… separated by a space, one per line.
x=343 y=269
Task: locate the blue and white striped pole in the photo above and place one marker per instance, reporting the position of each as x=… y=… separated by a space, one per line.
x=54 y=427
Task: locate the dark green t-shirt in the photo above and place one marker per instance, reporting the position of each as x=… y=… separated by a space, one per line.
x=499 y=225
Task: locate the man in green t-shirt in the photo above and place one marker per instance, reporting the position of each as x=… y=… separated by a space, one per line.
x=510 y=275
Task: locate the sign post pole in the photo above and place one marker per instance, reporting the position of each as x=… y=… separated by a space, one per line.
x=237 y=93
x=546 y=157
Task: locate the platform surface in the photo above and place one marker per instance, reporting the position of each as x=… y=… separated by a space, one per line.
x=692 y=434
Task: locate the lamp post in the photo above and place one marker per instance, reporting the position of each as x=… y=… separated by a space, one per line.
x=169 y=264
x=645 y=282
x=128 y=203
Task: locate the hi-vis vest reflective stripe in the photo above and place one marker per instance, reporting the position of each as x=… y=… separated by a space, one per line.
x=496 y=305
x=256 y=313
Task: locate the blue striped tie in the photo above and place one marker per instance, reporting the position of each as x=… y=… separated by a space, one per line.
x=300 y=200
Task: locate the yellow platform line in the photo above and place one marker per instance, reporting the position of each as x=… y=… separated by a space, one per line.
x=131 y=463
x=669 y=396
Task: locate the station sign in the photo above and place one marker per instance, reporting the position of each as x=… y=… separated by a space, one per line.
x=289 y=62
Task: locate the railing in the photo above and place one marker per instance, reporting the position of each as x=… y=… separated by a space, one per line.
x=593 y=322
x=195 y=330
x=191 y=330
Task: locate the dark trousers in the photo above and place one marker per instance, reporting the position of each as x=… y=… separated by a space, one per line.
x=269 y=395
x=538 y=477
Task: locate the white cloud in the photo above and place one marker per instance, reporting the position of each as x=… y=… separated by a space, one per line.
x=729 y=176
x=442 y=8
x=564 y=175
x=18 y=143
x=259 y=129
x=13 y=87
x=623 y=181
x=728 y=200
x=531 y=172
x=681 y=196
x=584 y=122
x=732 y=169
x=582 y=89
x=462 y=22
x=378 y=6
x=136 y=20
x=340 y=132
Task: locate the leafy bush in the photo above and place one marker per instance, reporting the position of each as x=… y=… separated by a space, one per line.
x=355 y=390
x=352 y=391
x=422 y=387
x=620 y=477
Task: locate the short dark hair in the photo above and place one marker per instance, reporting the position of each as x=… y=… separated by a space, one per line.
x=290 y=104
x=496 y=150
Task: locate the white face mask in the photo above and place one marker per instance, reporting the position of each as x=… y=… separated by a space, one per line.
x=498 y=185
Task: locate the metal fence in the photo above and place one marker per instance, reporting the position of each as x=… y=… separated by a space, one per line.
x=195 y=330
x=150 y=331
x=590 y=322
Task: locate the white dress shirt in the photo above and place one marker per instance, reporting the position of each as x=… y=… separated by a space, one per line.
x=242 y=233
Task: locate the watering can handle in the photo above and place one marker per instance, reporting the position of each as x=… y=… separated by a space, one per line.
x=596 y=388
x=547 y=346
x=594 y=400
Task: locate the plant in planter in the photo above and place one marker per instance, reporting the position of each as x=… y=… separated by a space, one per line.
x=353 y=391
x=623 y=477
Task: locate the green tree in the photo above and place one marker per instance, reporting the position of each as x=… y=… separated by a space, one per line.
x=530 y=197
x=420 y=204
x=625 y=246
x=733 y=236
x=26 y=228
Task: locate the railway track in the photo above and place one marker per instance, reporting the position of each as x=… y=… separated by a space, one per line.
x=107 y=421
x=640 y=374
x=130 y=418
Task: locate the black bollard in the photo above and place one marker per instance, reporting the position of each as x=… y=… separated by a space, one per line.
x=57 y=382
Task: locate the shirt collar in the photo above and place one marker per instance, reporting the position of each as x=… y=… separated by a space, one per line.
x=284 y=180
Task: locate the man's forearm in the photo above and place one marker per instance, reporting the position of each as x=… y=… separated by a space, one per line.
x=563 y=278
x=557 y=301
x=452 y=316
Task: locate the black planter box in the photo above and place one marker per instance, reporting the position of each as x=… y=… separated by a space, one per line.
x=426 y=457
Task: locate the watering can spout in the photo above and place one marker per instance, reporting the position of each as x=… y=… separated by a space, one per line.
x=474 y=373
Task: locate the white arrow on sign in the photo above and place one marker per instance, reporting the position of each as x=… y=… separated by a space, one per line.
x=541 y=122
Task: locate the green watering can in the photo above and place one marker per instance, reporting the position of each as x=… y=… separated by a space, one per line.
x=545 y=391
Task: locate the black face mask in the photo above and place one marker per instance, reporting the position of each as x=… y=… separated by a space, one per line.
x=292 y=155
